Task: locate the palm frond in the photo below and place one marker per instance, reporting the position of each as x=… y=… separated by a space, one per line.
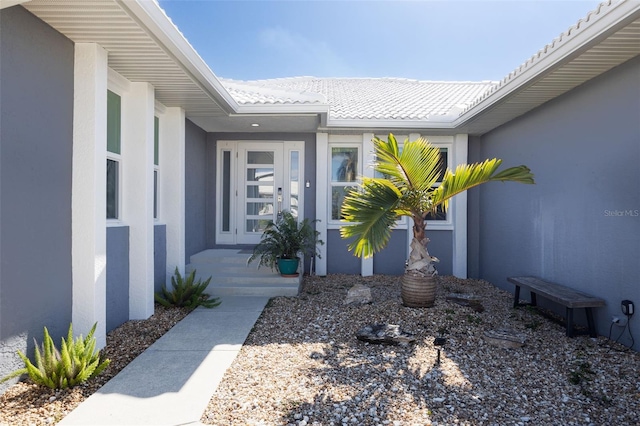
x=416 y=168
x=372 y=212
x=467 y=176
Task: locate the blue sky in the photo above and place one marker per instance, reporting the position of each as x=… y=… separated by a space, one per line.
x=426 y=40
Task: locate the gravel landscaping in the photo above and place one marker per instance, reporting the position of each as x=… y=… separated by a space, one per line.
x=302 y=365
x=29 y=404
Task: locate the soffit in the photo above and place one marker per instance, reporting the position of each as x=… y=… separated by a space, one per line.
x=535 y=82
x=135 y=50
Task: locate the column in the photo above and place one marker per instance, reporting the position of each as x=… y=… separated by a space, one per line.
x=88 y=203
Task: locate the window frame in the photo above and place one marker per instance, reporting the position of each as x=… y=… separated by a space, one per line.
x=118 y=159
x=156 y=168
x=331 y=222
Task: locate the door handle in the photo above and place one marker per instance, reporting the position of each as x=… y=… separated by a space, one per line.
x=279 y=201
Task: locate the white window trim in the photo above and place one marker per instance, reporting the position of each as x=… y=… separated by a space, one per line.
x=333 y=223
x=117 y=221
x=118 y=85
x=156 y=170
x=225 y=237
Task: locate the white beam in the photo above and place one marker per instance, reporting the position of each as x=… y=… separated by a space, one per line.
x=366 y=267
x=88 y=200
x=171 y=187
x=322 y=210
x=138 y=108
x=460 y=152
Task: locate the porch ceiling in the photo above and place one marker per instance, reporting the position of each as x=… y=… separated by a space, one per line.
x=143 y=46
x=605 y=39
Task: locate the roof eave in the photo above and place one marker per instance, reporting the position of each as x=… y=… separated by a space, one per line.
x=389 y=124
x=159 y=26
x=8 y=3
x=282 y=109
x=615 y=18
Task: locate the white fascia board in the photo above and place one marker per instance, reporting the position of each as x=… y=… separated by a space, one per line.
x=597 y=24
x=151 y=17
x=270 y=109
x=390 y=124
x=8 y=3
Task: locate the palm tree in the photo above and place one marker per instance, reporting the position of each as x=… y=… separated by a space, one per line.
x=409 y=188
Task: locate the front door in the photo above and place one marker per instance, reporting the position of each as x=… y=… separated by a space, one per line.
x=266 y=180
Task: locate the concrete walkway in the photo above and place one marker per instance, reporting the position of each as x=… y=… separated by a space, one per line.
x=172 y=382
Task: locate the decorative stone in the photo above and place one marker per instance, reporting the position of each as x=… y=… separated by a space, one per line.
x=469 y=300
x=358 y=295
x=507 y=339
x=389 y=334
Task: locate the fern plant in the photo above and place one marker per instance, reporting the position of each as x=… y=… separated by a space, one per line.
x=186 y=292
x=286 y=239
x=76 y=362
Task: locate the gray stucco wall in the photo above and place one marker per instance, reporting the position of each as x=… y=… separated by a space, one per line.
x=196 y=175
x=580 y=224
x=441 y=246
x=117 y=299
x=159 y=256
x=391 y=260
x=339 y=259
x=36 y=117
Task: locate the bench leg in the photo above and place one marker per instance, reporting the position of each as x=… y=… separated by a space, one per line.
x=534 y=300
x=570 y=322
x=516 y=297
x=591 y=323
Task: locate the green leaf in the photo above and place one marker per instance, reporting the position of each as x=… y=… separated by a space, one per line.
x=76 y=362
x=187 y=292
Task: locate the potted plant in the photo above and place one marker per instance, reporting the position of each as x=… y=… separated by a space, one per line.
x=409 y=188
x=283 y=241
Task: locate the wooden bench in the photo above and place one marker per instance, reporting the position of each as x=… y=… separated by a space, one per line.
x=560 y=294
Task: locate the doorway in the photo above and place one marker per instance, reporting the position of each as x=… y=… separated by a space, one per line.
x=256 y=181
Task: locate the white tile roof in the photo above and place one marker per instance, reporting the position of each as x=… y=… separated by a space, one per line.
x=365 y=98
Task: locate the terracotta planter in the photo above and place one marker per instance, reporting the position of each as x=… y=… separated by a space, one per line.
x=288 y=267
x=418 y=291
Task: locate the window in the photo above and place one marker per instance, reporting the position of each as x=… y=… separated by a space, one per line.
x=114 y=109
x=440 y=214
x=156 y=163
x=344 y=172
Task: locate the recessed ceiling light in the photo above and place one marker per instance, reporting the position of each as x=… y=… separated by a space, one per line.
x=255 y=125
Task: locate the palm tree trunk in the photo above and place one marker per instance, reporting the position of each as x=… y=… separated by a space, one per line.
x=420 y=262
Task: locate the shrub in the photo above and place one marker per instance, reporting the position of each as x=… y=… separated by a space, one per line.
x=186 y=292
x=76 y=361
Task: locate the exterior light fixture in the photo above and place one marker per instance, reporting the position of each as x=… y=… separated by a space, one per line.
x=255 y=125
x=439 y=341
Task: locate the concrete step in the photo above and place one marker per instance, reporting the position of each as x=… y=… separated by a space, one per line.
x=232 y=277
x=211 y=269
x=225 y=256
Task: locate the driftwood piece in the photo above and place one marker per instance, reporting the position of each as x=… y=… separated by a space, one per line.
x=507 y=339
x=389 y=334
x=473 y=302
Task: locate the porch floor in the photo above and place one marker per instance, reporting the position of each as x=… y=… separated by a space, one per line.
x=231 y=276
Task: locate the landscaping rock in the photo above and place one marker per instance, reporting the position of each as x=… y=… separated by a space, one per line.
x=507 y=339
x=358 y=295
x=389 y=334
x=473 y=302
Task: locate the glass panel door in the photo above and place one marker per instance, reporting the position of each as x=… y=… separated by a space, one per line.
x=256 y=180
x=261 y=187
